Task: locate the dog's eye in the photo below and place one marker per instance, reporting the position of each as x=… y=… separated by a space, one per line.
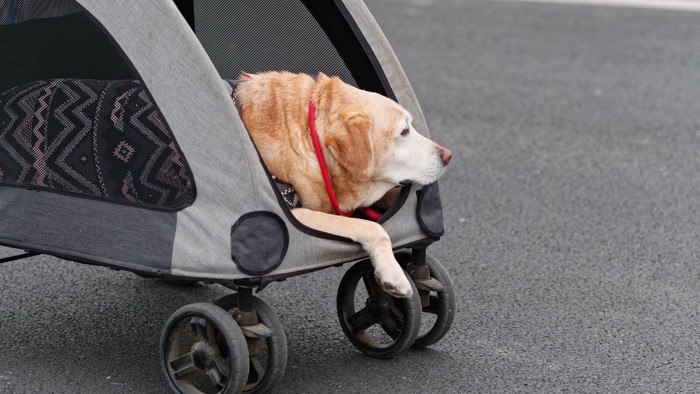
x=405 y=132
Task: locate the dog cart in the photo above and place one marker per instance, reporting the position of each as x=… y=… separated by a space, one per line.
x=120 y=147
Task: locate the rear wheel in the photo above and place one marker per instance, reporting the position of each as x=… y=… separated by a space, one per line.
x=267 y=344
x=204 y=351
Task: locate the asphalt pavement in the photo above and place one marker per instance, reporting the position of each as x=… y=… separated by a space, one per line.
x=571 y=213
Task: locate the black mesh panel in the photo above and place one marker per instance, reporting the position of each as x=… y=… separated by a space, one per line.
x=67 y=45
x=16 y=11
x=308 y=36
x=262 y=35
x=75 y=116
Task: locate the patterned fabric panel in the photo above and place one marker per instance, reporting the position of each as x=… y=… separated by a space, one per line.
x=99 y=138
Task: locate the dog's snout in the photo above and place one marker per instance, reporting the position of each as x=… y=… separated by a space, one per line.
x=446 y=155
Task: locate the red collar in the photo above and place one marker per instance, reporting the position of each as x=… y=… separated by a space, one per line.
x=369 y=212
x=322 y=160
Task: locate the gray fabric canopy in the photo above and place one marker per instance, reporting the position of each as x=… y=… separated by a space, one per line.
x=176 y=67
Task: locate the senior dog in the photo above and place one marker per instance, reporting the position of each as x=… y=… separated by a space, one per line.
x=366 y=140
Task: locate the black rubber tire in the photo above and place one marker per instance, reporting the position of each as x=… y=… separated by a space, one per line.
x=276 y=362
x=382 y=309
x=441 y=304
x=213 y=328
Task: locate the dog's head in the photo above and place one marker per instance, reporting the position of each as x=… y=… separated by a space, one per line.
x=373 y=139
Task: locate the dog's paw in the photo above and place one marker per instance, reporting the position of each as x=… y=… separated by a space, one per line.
x=394 y=282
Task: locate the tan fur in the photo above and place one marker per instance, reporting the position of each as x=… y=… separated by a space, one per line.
x=357 y=130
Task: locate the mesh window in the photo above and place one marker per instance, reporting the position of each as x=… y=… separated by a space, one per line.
x=308 y=36
x=263 y=35
x=75 y=116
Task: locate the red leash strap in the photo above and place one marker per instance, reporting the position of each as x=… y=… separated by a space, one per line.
x=371 y=213
x=322 y=160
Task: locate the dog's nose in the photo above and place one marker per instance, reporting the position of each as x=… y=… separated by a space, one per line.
x=446 y=156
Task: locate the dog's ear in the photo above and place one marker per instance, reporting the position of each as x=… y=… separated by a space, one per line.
x=245 y=75
x=349 y=141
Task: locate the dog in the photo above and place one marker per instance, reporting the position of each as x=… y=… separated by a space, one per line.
x=367 y=141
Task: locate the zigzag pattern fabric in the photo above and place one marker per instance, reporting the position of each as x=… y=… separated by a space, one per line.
x=105 y=139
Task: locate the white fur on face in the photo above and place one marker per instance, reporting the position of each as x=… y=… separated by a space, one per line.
x=410 y=157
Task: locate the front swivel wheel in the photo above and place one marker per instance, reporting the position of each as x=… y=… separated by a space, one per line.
x=437 y=297
x=378 y=324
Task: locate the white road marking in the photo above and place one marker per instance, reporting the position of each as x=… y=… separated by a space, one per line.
x=679 y=5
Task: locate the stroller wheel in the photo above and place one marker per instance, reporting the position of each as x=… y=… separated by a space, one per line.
x=437 y=300
x=378 y=324
x=267 y=344
x=204 y=350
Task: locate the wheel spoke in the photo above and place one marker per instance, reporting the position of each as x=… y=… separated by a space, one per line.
x=432 y=306
x=199 y=327
x=218 y=373
x=371 y=284
x=392 y=326
x=395 y=311
x=183 y=366
x=204 y=331
x=361 y=321
x=211 y=335
x=257 y=370
x=394 y=322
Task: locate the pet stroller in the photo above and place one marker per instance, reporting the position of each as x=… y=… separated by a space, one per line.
x=120 y=147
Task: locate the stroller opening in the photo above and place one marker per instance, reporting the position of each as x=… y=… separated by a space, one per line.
x=120 y=147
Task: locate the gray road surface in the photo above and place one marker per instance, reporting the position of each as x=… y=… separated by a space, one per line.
x=571 y=208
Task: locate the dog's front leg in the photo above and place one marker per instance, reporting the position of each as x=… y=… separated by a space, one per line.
x=374 y=240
